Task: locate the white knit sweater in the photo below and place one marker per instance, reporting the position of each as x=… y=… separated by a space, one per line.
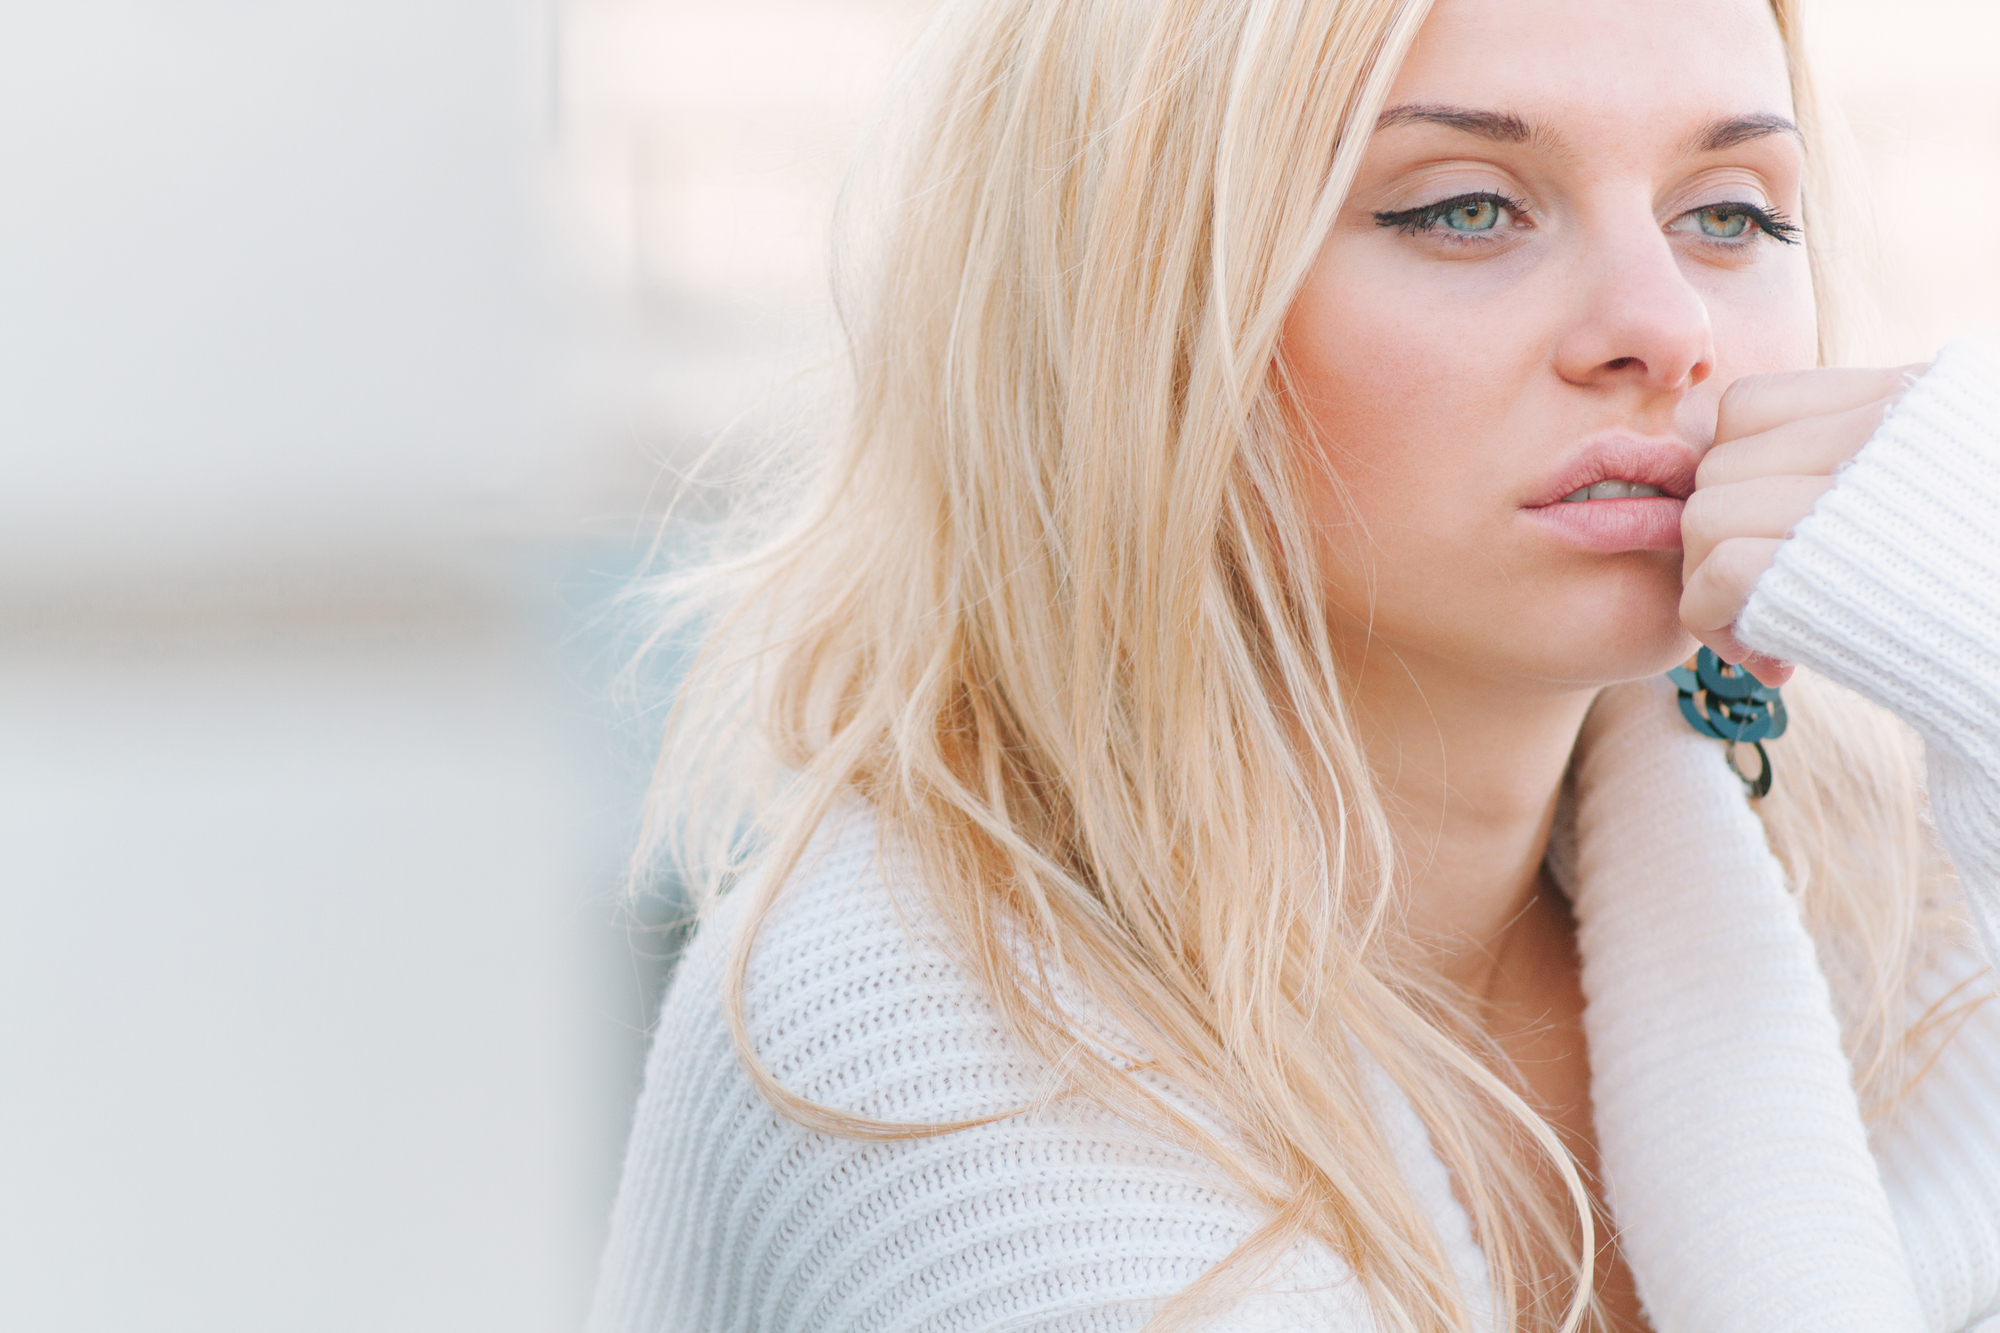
x=1749 y=1195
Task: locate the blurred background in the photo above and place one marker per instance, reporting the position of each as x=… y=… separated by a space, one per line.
x=347 y=352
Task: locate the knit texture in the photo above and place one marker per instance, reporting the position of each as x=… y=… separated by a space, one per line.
x=1061 y=1217
x=1892 y=587
x=1748 y=1193
x=1940 y=1156
x=1732 y=1143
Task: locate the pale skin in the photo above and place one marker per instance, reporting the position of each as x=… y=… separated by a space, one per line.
x=1577 y=228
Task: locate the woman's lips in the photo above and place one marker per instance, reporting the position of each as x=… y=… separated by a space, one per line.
x=1617 y=522
x=1650 y=523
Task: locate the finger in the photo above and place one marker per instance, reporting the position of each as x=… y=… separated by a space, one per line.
x=1768 y=670
x=1719 y=587
x=1756 y=403
x=1725 y=644
x=1810 y=446
x=1761 y=507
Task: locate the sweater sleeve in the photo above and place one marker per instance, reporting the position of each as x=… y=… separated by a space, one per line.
x=1891 y=586
x=1733 y=1152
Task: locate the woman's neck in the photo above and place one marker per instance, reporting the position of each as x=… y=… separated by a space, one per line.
x=1470 y=769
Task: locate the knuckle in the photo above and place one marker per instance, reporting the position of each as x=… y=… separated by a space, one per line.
x=1868 y=415
x=1704 y=607
x=1690 y=610
x=1739 y=561
x=1868 y=419
x=1699 y=513
x=1715 y=468
x=1739 y=403
x=1717 y=573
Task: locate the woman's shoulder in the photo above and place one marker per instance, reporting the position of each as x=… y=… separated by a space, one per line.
x=854 y=1000
x=853 y=997
x=1054 y=1212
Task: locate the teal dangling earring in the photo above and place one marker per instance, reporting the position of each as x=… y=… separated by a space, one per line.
x=1729 y=704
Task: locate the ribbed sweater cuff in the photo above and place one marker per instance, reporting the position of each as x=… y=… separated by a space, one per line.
x=1892 y=588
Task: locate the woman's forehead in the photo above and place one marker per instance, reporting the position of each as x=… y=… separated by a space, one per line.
x=1563 y=68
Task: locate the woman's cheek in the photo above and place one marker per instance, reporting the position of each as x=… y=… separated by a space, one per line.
x=1767 y=327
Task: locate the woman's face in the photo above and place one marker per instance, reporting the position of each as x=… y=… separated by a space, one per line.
x=1573 y=229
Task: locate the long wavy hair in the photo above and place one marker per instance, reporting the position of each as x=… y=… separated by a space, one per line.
x=1047 y=601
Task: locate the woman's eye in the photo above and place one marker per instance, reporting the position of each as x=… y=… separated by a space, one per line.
x=1736 y=222
x=1716 y=222
x=1472 y=215
x=1465 y=215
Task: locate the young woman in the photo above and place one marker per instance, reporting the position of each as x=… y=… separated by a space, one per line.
x=1225 y=854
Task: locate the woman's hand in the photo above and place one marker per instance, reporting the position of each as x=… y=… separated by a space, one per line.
x=1778 y=441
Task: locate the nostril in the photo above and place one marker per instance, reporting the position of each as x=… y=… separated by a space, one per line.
x=1621 y=362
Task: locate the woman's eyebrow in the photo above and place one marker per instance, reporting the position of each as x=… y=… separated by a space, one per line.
x=1722 y=133
x=1730 y=131
x=1500 y=126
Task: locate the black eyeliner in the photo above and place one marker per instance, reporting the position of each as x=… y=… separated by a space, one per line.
x=1769 y=221
x=1425 y=216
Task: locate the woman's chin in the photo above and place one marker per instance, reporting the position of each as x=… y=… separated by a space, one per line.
x=1606 y=649
x=1638 y=656
x=1629 y=625
x=1614 y=624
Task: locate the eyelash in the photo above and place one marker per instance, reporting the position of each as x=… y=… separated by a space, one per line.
x=1426 y=217
x=1769 y=221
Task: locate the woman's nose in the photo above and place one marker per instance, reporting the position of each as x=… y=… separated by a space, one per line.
x=1638 y=321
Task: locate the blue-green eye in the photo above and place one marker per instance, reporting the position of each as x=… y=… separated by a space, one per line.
x=1464 y=215
x=1736 y=223
x=1472 y=215
x=1723 y=224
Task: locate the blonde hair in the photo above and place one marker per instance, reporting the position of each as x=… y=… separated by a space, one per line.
x=1049 y=605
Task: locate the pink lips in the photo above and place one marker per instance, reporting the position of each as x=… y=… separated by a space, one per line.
x=1648 y=523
